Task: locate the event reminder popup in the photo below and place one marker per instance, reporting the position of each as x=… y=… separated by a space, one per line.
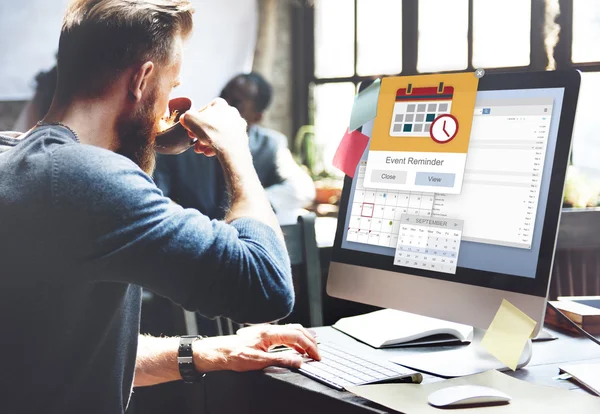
x=421 y=133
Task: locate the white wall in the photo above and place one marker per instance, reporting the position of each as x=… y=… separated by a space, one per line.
x=222 y=45
x=29 y=30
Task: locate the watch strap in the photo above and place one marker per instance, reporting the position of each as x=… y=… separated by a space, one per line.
x=185 y=359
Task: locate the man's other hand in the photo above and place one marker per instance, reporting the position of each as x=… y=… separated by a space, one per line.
x=249 y=349
x=219 y=128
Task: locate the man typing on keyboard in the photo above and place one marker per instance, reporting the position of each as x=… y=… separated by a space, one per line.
x=84 y=228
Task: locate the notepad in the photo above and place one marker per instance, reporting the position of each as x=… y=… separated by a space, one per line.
x=580 y=310
x=391 y=328
x=587 y=375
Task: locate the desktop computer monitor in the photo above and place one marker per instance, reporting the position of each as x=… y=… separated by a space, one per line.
x=508 y=210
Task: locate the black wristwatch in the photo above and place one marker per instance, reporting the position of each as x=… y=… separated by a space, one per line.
x=185 y=359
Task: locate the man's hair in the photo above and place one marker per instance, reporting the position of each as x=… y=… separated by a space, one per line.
x=264 y=89
x=102 y=38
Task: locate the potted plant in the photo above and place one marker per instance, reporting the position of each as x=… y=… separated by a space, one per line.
x=580 y=191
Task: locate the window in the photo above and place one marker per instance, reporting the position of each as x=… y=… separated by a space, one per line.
x=586 y=31
x=501 y=33
x=354 y=41
x=333 y=104
x=360 y=39
x=448 y=51
x=379 y=37
x=334 y=38
x=586 y=135
x=584 y=55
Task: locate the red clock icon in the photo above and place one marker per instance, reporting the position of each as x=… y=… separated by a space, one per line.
x=444 y=128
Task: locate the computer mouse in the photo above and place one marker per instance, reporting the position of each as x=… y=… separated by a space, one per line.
x=465 y=395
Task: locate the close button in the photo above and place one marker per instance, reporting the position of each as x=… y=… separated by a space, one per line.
x=387 y=176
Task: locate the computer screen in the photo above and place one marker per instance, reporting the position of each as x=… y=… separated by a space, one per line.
x=492 y=226
x=503 y=199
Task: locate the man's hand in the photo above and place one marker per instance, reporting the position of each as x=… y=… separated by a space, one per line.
x=219 y=128
x=249 y=349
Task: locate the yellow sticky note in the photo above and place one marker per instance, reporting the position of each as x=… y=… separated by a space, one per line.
x=508 y=333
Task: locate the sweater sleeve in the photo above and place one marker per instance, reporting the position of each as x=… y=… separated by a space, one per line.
x=118 y=227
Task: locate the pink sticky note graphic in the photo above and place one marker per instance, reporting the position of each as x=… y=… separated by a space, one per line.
x=350 y=151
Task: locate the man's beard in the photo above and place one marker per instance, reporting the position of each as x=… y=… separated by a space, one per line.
x=138 y=134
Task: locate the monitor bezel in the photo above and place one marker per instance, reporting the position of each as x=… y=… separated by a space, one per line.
x=538 y=286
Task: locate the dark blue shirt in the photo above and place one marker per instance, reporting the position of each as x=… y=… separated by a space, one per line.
x=82 y=229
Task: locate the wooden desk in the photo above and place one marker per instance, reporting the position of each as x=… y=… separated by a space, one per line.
x=283 y=391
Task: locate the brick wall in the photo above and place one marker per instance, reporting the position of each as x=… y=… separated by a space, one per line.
x=273 y=59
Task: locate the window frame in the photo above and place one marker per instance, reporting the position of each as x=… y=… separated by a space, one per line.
x=304 y=49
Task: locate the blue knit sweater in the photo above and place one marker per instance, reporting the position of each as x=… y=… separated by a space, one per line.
x=82 y=229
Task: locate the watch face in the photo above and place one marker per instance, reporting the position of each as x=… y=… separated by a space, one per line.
x=444 y=128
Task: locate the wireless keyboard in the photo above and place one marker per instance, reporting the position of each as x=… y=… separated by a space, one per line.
x=340 y=368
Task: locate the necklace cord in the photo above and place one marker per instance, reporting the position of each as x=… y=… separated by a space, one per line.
x=40 y=124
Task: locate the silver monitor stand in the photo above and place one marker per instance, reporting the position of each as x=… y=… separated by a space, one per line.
x=471 y=305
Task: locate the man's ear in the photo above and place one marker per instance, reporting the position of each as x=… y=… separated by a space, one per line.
x=139 y=80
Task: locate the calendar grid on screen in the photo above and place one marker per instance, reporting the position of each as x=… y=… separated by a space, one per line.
x=429 y=244
x=375 y=214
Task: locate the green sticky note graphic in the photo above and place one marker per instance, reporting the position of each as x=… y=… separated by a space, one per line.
x=365 y=106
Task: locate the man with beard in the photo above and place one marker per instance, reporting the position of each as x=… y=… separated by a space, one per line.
x=84 y=227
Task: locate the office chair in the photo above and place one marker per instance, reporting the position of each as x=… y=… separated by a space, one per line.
x=301 y=243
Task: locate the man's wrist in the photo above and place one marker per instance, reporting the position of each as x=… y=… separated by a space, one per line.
x=207 y=356
x=236 y=160
x=240 y=174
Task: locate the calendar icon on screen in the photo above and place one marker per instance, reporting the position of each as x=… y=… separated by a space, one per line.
x=415 y=109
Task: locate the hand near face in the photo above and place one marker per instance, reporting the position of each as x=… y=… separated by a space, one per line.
x=219 y=128
x=248 y=350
